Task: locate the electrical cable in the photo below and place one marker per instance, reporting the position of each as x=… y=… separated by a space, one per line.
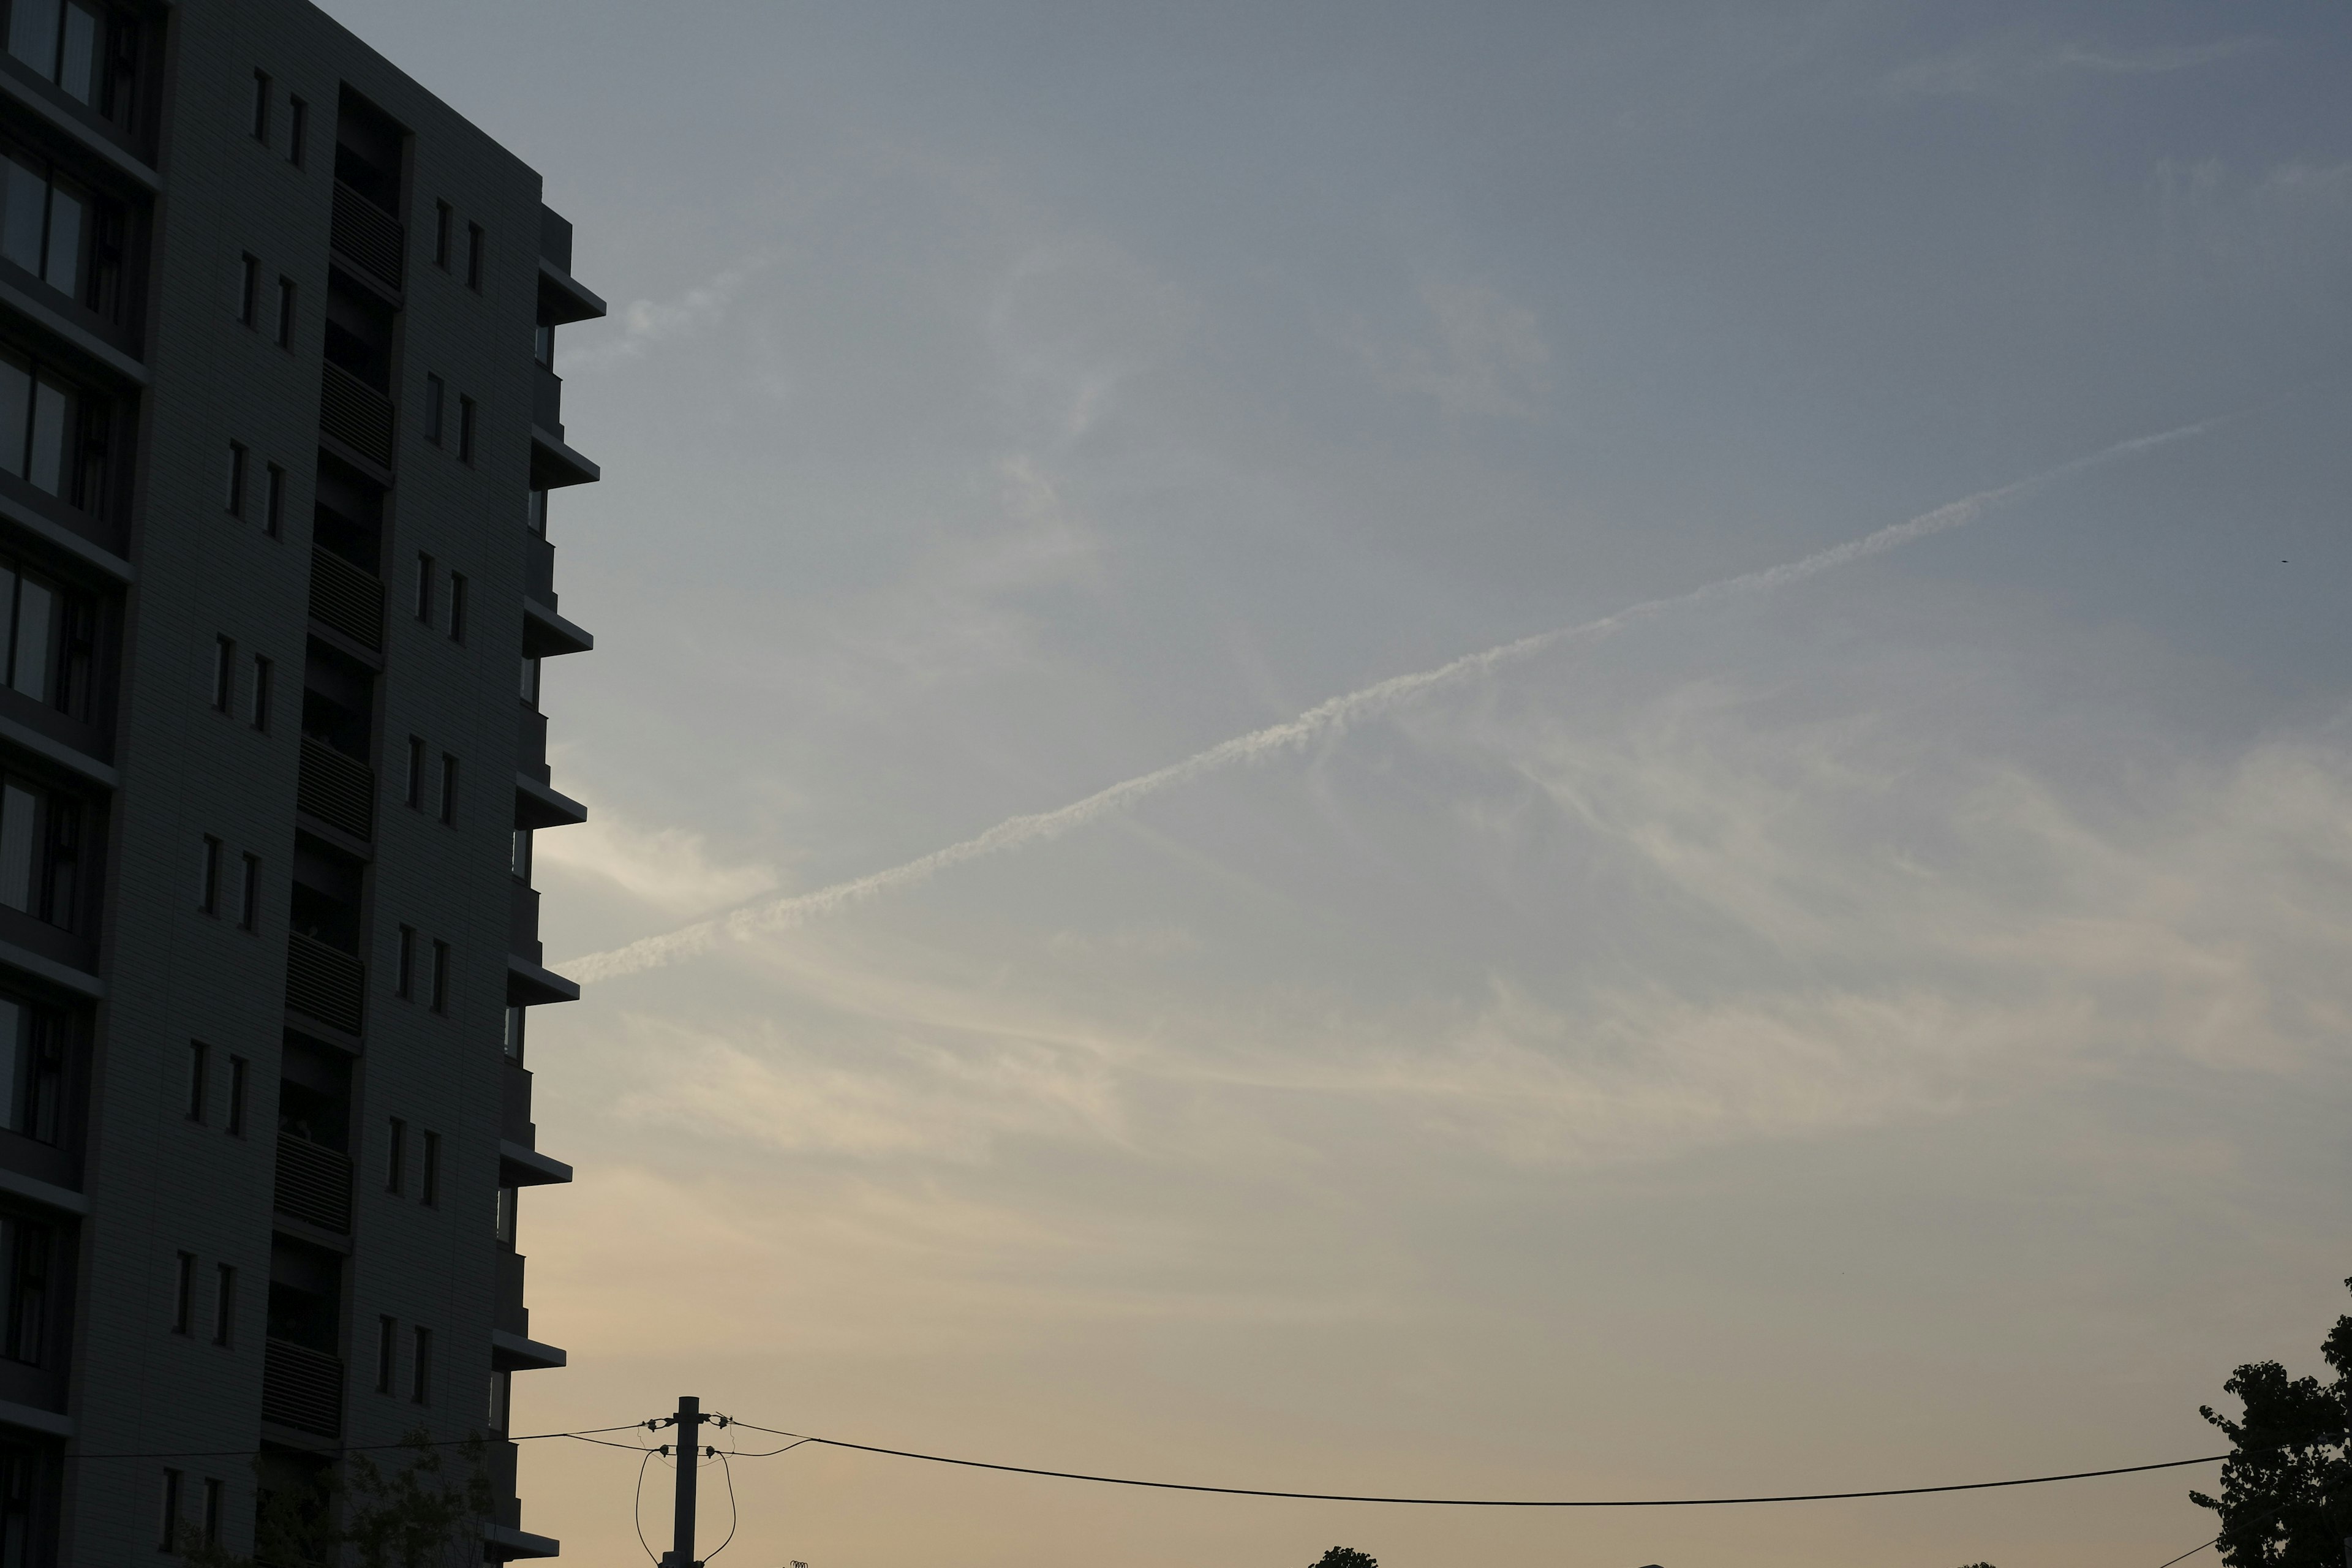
x=637 y=1507
x=363 y=1447
x=2192 y=1552
x=733 y=1516
x=1489 y=1502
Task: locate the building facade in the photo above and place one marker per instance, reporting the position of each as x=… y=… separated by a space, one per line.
x=279 y=422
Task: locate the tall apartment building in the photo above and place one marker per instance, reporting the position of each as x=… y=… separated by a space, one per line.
x=279 y=423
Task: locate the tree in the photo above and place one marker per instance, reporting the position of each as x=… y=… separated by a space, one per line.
x=1346 y=1557
x=2287 y=1487
x=405 y=1515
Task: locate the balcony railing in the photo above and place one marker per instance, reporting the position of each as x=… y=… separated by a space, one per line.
x=314 y=1183
x=325 y=983
x=368 y=235
x=346 y=598
x=355 y=413
x=301 y=1388
x=339 y=790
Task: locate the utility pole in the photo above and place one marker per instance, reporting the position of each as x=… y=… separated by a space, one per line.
x=690 y=1459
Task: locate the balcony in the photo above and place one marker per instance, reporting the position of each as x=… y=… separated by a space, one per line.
x=301 y=1388
x=347 y=599
x=325 y=983
x=367 y=235
x=522 y=921
x=539 y=569
x=355 y=413
x=514 y=1108
x=530 y=760
x=314 y=1183
x=339 y=790
x=507 y=1312
x=547 y=401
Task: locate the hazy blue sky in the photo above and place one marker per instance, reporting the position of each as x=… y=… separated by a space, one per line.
x=1882 y=1031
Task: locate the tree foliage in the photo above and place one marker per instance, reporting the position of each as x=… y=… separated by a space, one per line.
x=2287 y=1487
x=1346 y=1557
x=420 y=1513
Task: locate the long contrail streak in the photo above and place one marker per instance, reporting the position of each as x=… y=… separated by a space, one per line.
x=1327 y=718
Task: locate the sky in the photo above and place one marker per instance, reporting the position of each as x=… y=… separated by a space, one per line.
x=1873 y=1026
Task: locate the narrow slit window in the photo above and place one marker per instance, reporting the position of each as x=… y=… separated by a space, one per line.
x=413 y=795
x=273 y=500
x=403 y=971
x=263 y=673
x=286 y=312
x=224 y=1304
x=235 y=1126
x=183 y=1294
x=436 y=396
x=214 y=1504
x=440 y=977
x=248 y=896
x=199 y=1059
x=428 y=1176
x=420 y=1388
x=395 y=1157
x=387 y=1349
x=248 y=289
x=209 y=882
x=424 y=588
x=513 y=1041
x=235 y=497
x=261 y=106
x=297 y=131
x=223 y=673
x=448 y=790
x=443 y=220
x=170 y=1540
x=464 y=429
x=457 y=606
x=475 y=244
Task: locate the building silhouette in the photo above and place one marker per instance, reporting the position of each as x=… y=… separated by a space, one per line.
x=279 y=423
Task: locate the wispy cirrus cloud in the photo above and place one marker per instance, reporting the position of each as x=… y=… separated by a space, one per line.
x=1998 y=68
x=645 y=324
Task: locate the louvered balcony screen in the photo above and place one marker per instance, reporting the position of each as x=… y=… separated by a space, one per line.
x=368 y=235
x=356 y=413
x=301 y=1388
x=325 y=983
x=314 y=1183
x=339 y=790
x=346 y=598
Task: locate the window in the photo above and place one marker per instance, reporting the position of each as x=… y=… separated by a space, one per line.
x=58 y=40
x=51 y=435
x=435 y=396
x=403 y=982
x=262 y=672
x=387 y=1350
x=25 y=1252
x=235 y=1126
x=297 y=130
x=531 y=681
x=183 y=1294
x=413 y=793
x=474 y=247
x=535 y=517
x=457 y=606
x=509 y=1200
x=208 y=888
x=261 y=106
x=32 y=1045
x=199 y=1059
x=395 y=1157
x=223 y=673
x=448 y=790
x=513 y=1041
x=428 y=1179
x=424 y=588
x=442 y=216
x=501 y=1401
x=47 y=223
x=48 y=639
x=248 y=896
x=273 y=501
x=224 y=1304
x=213 y=1501
x=248 y=290
x=235 y=495
x=40 y=846
x=464 y=429
x=420 y=1372
x=542 y=345
x=440 y=977
x=286 y=312
x=170 y=1534
x=519 y=855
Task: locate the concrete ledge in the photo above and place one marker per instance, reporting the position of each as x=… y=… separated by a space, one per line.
x=512 y=1352
x=562 y=466
x=540 y=984
x=514 y=1544
x=66 y=976
x=582 y=302
x=547 y=634
x=51 y=750
x=49 y=1194
x=521 y=1166
x=60 y=537
x=33 y=1418
x=119 y=159
x=84 y=341
x=548 y=806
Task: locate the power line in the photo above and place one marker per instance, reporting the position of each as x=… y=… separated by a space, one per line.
x=582 y=1435
x=1484 y=1503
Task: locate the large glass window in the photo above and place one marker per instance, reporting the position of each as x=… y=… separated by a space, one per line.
x=49 y=638
x=27 y=1502
x=32 y=1067
x=40 y=843
x=51 y=433
x=25 y=1249
x=45 y=221
x=59 y=39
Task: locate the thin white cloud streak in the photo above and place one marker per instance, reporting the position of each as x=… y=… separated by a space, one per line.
x=1328 y=718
